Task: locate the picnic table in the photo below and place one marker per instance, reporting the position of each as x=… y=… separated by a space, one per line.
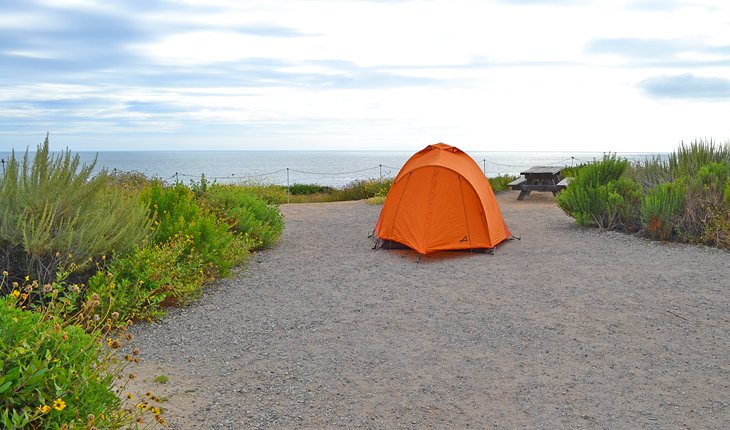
x=539 y=178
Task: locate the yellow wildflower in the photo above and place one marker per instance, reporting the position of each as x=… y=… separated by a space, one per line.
x=59 y=404
x=15 y=294
x=44 y=409
x=130 y=396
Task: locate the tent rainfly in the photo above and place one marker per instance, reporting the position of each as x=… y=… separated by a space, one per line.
x=440 y=200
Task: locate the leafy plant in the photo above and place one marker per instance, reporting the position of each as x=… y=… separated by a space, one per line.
x=661 y=209
x=306 y=189
x=176 y=211
x=162 y=379
x=140 y=285
x=499 y=183
x=247 y=214
x=705 y=203
x=53 y=372
x=600 y=196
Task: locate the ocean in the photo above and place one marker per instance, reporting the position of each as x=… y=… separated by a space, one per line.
x=332 y=168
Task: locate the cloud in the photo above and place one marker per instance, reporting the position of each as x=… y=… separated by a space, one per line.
x=655 y=5
x=661 y=52
x=543 y=2
x=687 y=86
x=636 y=48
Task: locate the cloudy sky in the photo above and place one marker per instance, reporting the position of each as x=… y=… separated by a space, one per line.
x=569 y=75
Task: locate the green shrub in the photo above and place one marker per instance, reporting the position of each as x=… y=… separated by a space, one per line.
x=53 y=373
x=600 y=196
x=705 y=209
x=271 y=194
x=140 y=285
x=60 y=365
x=571 y=171
x=306 y=189
x=499 y=183
x=176 y=211
x=132 y=181
x=247 y=214
x=55 y=214
x=661 y=209
x=362 y=189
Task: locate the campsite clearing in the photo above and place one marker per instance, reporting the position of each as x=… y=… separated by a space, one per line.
x=566 y=328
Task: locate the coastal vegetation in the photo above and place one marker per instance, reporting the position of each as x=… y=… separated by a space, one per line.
x=684 y=197
x=374 y=190
x=82 y=256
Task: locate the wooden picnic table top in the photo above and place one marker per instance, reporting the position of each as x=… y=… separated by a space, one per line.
x=542 y=170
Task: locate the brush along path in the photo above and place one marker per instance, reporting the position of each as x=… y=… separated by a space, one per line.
x=566 y=328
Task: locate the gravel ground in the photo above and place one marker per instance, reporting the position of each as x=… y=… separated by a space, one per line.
x=565 y=328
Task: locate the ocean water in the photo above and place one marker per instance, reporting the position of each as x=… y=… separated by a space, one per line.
x=333 y=168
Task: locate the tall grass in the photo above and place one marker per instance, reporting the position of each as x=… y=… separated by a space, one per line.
x=55 y=215
x=685 y=161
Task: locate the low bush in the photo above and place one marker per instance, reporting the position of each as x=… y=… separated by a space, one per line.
x=306 y=189
x=499 y=183
x=176 y=212
x=661 y=208
x=246 y=214
x=271 y=194
x=53 y=373
x=142 y=284
x=362 y=189
x=599 y=195
x=706 y=206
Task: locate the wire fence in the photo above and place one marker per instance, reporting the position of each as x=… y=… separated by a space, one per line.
x=288 y=176
x=382 y=169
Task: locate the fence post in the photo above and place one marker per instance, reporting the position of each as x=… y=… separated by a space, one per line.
x=176 y=179
x=381 y=172
x=287 y=185
x=3 y=162
x=484 y=166
x=571 y=161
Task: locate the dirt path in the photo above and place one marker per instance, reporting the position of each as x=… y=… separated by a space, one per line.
x=567 y=328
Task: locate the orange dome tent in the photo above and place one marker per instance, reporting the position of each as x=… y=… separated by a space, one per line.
x=441 y=200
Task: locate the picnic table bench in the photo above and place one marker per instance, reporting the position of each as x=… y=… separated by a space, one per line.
x=539 y=178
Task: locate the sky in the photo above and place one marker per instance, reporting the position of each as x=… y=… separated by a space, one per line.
x=499 y=75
